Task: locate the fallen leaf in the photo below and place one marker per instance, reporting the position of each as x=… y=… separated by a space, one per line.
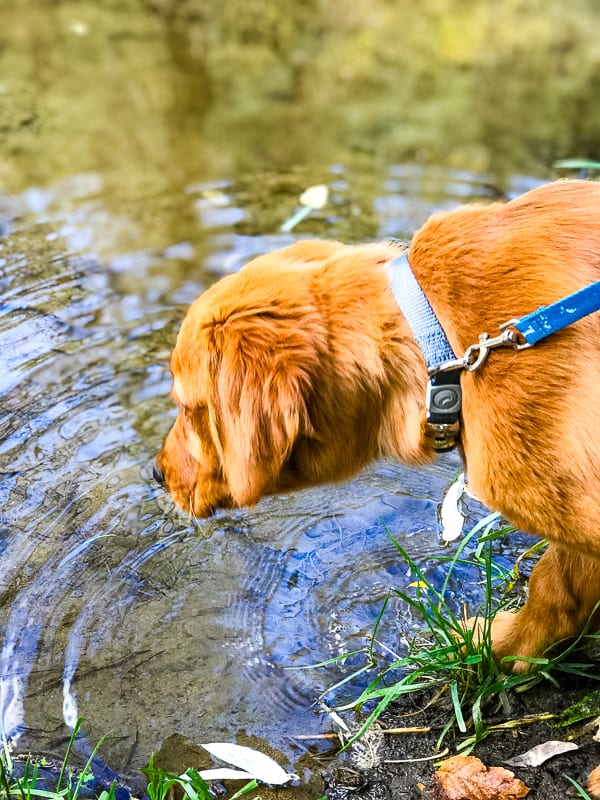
x=540 y=753
x=451 y=516
x=256 y=765
x=223 y=774
x=593 y=784
x=467 y=778
x=367 y=752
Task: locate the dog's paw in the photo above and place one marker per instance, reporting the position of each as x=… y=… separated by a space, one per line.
x=506 y=639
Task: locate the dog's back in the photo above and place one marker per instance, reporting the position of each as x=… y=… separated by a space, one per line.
x=531 y=419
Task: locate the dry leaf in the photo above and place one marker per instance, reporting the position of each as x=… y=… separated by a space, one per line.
x=368 y=751
x=451 y=516
x=257 y=765
x=467 y=778
x=540 y=753
x=222 y=774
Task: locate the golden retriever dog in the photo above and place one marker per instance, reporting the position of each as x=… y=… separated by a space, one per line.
x=301 y=369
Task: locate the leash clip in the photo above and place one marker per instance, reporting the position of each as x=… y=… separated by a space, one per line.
x=476 y=354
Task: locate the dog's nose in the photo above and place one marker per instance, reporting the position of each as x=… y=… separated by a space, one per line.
x=158 y=476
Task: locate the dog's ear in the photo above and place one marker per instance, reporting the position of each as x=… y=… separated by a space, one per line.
x=262 y=377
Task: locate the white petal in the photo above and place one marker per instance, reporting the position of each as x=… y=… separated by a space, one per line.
x=315 y=196
x=225 y=774
x=258 y=765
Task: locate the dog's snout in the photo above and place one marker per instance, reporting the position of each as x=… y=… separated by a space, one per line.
x=158 y=475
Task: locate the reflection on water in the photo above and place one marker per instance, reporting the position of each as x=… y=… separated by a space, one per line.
x=146 y=151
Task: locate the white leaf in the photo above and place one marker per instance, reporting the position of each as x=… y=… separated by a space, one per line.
x=451 y=517
x=224 y=774
x=338 y=721
x=540 y=753
x=258 y=765
x=315 y=196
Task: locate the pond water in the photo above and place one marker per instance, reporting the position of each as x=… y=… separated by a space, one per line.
x=128 y=184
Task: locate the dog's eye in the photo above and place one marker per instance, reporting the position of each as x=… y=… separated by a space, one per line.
x=196 y=418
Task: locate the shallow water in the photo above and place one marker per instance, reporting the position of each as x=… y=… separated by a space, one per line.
x=114 y=606
x=130 y=182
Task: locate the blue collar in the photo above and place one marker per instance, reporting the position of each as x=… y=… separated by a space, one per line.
x=419 y=314
x=444 y=396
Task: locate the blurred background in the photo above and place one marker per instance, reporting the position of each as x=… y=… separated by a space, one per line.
x=152 y=92
x=146 y=148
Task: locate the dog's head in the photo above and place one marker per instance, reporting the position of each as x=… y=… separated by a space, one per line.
x=272 y=395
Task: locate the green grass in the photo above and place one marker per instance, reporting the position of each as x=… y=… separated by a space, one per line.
x=161 y=783
x=194 y=787
x=28 y=784
x=449 y=657
x=581 y=792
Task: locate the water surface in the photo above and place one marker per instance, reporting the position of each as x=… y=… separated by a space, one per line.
x=144 y=155
x=115 y=606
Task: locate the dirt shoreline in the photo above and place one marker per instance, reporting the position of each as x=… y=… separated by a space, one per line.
x=411 y=777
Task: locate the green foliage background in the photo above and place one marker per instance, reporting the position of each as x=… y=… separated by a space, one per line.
x=167 y=88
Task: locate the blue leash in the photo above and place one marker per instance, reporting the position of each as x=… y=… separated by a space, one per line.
x=444 y=367
x=549 y=319
x=532 y=328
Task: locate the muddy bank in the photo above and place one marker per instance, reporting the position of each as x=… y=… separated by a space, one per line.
x=369 y=772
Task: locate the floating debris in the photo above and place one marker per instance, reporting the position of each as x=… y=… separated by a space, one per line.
x=452 y=518
x=311 y=199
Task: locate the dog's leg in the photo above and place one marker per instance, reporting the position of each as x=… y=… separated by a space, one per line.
x=564 y=588
x=593 y=785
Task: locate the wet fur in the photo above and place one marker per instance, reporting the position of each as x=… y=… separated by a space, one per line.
x=301 y=369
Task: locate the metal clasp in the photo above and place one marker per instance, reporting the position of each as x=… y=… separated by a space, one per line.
x=476 y=354
x=444 y=394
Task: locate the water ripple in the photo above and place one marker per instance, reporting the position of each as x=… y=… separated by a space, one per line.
x=114 y=605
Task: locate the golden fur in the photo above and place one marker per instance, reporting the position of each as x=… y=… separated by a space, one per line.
x=300 y=369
